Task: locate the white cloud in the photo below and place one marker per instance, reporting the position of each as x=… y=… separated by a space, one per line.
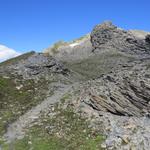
x=6 y=53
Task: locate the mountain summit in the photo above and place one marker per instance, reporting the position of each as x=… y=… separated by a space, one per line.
x=89 y=93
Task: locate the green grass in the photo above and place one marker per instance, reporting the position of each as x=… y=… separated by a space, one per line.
x=54 y=143
x=65 y=97
x=97 y=65
x=80 y=39
x=64 y=131
x=55 y=46
x=14 y=102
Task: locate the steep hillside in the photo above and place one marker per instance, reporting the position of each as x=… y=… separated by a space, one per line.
x=92 y=93
x=68 y=51
x=24 y=82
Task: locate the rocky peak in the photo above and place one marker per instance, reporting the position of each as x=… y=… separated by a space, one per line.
x=107 y=25
x=108 y=36
x=103 y=33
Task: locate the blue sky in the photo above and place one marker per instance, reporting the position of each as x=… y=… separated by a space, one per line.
x=35 y=24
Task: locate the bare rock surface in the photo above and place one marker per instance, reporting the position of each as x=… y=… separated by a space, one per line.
x=107 y=35
x=34 y=65
x=121 y=96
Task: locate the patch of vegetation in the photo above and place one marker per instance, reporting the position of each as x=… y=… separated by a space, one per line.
x=97 y=65
x=54 y=47
x=16 y=59
x=80 y=39
x=65 y=97
x=63 y=131
x=17 y=96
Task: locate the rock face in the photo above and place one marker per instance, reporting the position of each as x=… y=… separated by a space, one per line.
x=107 y=35
x=126 y=90
x=124 y=93
x=147 y=39
x=39 y=63
x=36 y=64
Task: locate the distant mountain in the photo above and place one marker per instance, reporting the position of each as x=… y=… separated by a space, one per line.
x=90 y=93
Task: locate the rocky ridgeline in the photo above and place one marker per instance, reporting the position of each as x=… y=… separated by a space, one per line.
x=121 y=98
x=107 y=35
x=39 y=63
x=125 y=91
x=71 y=51
x=35 y=64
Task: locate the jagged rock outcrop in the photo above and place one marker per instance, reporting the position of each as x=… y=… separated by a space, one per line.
x=124 y=89
x=108 y=36
x=125 y=93
x=35 y=64
x=39 y=63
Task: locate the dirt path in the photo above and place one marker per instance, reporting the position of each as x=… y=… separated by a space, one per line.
x=16 y=129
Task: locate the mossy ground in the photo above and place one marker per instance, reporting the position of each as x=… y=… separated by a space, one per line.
x=59 y=129
x=97 y=65
x=63 y=131
x=54 y=48
x=17 y=96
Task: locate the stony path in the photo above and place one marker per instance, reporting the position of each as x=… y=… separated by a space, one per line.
x=16 y=129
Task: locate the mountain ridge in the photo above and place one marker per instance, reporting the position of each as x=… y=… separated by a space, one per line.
x=110 y=68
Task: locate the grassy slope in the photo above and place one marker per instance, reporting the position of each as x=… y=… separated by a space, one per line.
x=18 y=95
x=64 y=130
x=74 y=129
x=14 y=102
x=94 y=66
